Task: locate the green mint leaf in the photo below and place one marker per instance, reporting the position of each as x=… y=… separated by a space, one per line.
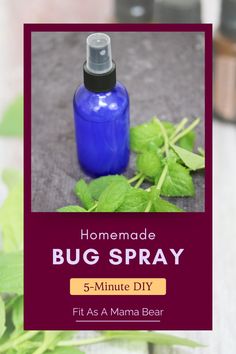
x=98 y=185
x=136 y=200
x=2 y=317
x=66 y=335
x=149 y=164
x=17 y=313
x=160 y=205
x=188 y=141
x=155 y=147
x=201 y=151
x=50 y=340
x=65 y=350
x=11 y=123
x=24 y=348
x=153 y=338
x=72 y=209
x=178 y=182
x=83 y=193
x=11 y=270
x=169 y=127
x=11 y=177
x=152 y=147
x=31 y=343
x=113 y=196
x=11 y=216
x=163 y=206
x=142 y=135
x=172 y=156
x=191 y=160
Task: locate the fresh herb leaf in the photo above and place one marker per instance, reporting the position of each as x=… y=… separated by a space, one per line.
x=172 y=156
x=50 y=340
x=11 y=123
x=47 y=344
x=186 y=131
x=153 y=338
x=11 y=218
x=98 y=185
x=72 y=209
x=65 y=350
x=142 y=135
x=188 y=141
x=160 y=205
x=135 y=200
x=11 y=270
x=17 y=313
x=11 y=177
x=83 y=193
x=113 y=196
x=163 y=206
x=169 y=127
x=165 y=158
x=191 y=160
x=149 y=164
x=152 y=147
x=178 y=182
x=201 y=151
x=2 y=317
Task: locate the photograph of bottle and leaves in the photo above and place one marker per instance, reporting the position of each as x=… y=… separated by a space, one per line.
x=149 y=159
x=118 y=123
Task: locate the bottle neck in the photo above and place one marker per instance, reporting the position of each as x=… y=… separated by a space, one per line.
x=100 y=82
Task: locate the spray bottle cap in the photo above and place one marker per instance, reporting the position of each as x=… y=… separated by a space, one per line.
x=99 y=68
x=99 y=60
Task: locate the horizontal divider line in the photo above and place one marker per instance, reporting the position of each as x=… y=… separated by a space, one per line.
x=117 y=321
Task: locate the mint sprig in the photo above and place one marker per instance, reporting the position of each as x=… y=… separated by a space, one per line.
x=165 y=159
x=11 y=212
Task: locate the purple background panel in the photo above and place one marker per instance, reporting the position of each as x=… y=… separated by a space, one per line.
x=188 y=302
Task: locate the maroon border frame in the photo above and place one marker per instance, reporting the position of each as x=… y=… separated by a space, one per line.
x=205 y=28
x=39 y=216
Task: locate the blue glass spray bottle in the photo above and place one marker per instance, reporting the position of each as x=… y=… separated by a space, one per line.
x=101 y=113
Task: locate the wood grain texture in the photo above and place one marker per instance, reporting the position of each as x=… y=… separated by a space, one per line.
x=164 y=74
